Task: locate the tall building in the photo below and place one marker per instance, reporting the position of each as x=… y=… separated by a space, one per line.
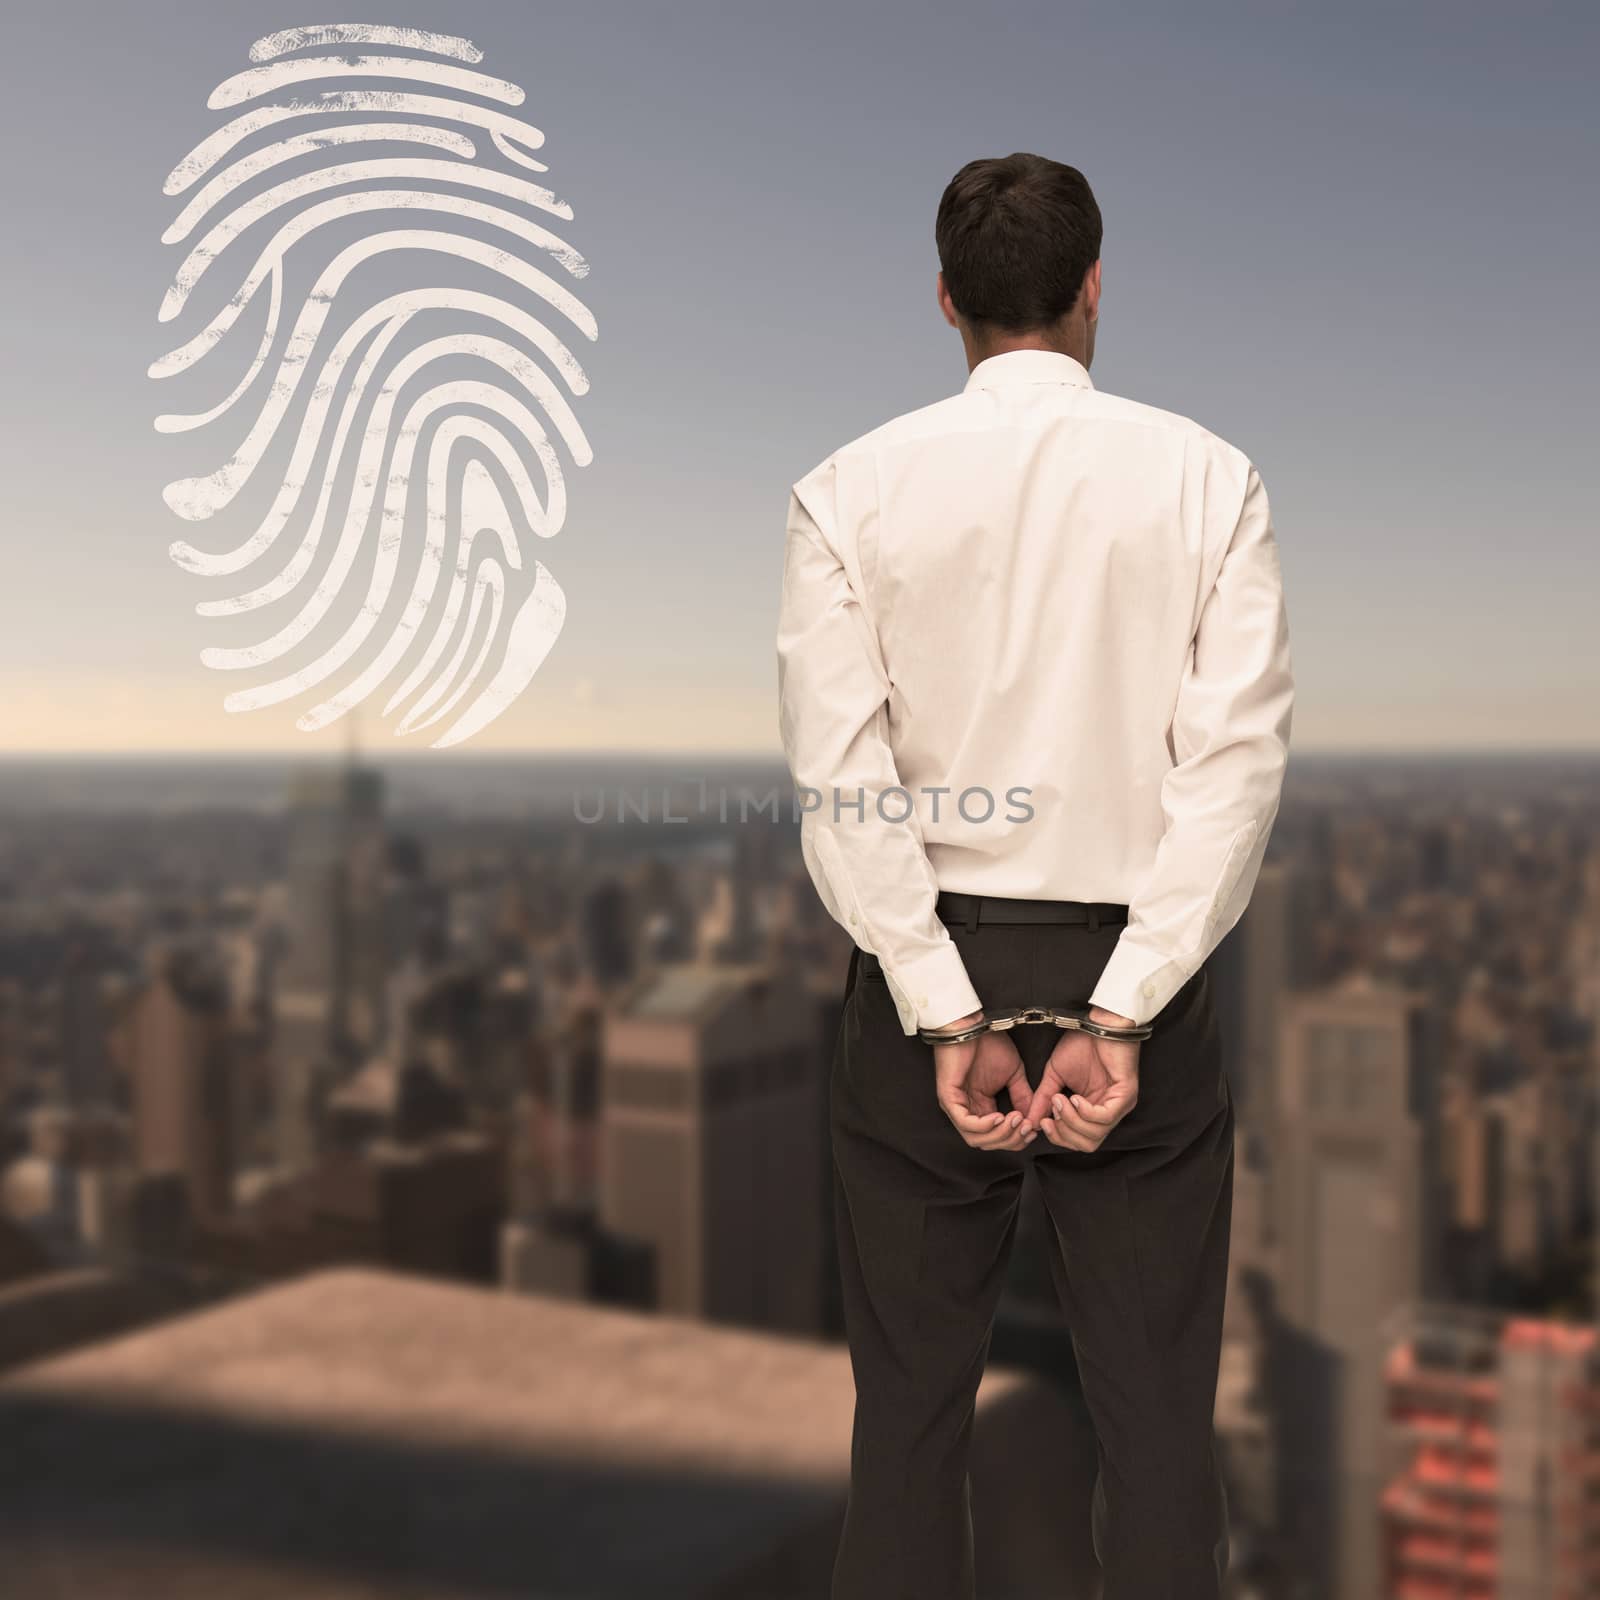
x=1350 y=1149
x=329 y=1002
x=605 y=934
x=1244 y=1416
x=666 y=920
x=733 y=928
x=561 y=1111
x=336 y=864
x=1495 y=1426
x=175 y=1042
x=1583 y=959
x=85 y=1065
x=709 y=1142
x=1250 y=975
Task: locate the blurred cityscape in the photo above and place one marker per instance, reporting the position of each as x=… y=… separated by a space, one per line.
x=561 y=1029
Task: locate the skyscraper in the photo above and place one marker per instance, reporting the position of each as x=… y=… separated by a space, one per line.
x=175 y=1043
x=709 y=1132
x=1350 y=1193
x=1493 y=1421
x=1584 y=961
x=1250 y=975
x=329 y=1002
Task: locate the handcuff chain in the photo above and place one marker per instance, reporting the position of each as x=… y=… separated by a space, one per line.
x=1073 y=1018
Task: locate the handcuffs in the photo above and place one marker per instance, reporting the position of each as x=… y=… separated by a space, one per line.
x=1071 y=1017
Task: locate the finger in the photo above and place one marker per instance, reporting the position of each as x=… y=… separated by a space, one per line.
x=1063 y=1137
x=1018 y=1139
x=1026 y=1133
x=1008 y=1134
x=1108 y=1112
x=1011 y=1134
x=1072 y=1121
x=969 y=1124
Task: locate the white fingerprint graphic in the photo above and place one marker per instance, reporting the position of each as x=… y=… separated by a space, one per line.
x=381 y=309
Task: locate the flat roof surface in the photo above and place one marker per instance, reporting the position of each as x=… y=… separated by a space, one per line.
x=359 y=1433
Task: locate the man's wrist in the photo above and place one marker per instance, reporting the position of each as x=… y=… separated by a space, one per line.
x=960 y=1025
x=1112 y=1019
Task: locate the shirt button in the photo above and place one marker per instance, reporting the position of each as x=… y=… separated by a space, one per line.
x=852 y=919
x=922 y=999
x=1149 y=989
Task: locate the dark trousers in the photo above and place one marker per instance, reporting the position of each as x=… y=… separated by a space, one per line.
x=925 y=1225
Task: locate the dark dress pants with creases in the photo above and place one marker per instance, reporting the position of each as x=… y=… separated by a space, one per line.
x=925 y=1225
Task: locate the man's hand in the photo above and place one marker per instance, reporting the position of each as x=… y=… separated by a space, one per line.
x=1089 y=1086
x=968 y=1078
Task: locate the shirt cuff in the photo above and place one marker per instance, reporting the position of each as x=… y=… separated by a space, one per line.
x=1137 y=982
x=931 y=990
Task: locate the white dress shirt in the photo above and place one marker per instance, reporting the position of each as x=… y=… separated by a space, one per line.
x=1064 y=610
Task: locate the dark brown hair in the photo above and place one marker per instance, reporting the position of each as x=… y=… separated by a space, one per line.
x=1016 y=234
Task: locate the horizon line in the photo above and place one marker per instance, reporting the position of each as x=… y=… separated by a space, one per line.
x=689 y=753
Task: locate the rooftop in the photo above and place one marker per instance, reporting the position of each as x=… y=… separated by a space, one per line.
x=355 y=1433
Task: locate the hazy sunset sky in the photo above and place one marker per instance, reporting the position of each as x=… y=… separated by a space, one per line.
x=1359 y=241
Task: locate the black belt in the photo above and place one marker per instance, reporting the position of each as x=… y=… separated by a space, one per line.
x=988 y=910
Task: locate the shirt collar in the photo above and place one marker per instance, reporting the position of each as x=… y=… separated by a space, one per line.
x=1028 y=366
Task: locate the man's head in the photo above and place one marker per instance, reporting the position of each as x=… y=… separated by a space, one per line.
x=1019 y=253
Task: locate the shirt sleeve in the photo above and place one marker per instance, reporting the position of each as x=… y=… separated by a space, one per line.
x=1230 y=739
x=859 y=832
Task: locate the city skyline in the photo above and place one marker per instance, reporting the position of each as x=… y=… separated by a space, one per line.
x=410 y=1026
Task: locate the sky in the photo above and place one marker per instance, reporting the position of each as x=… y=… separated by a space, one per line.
x=1357 y=241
